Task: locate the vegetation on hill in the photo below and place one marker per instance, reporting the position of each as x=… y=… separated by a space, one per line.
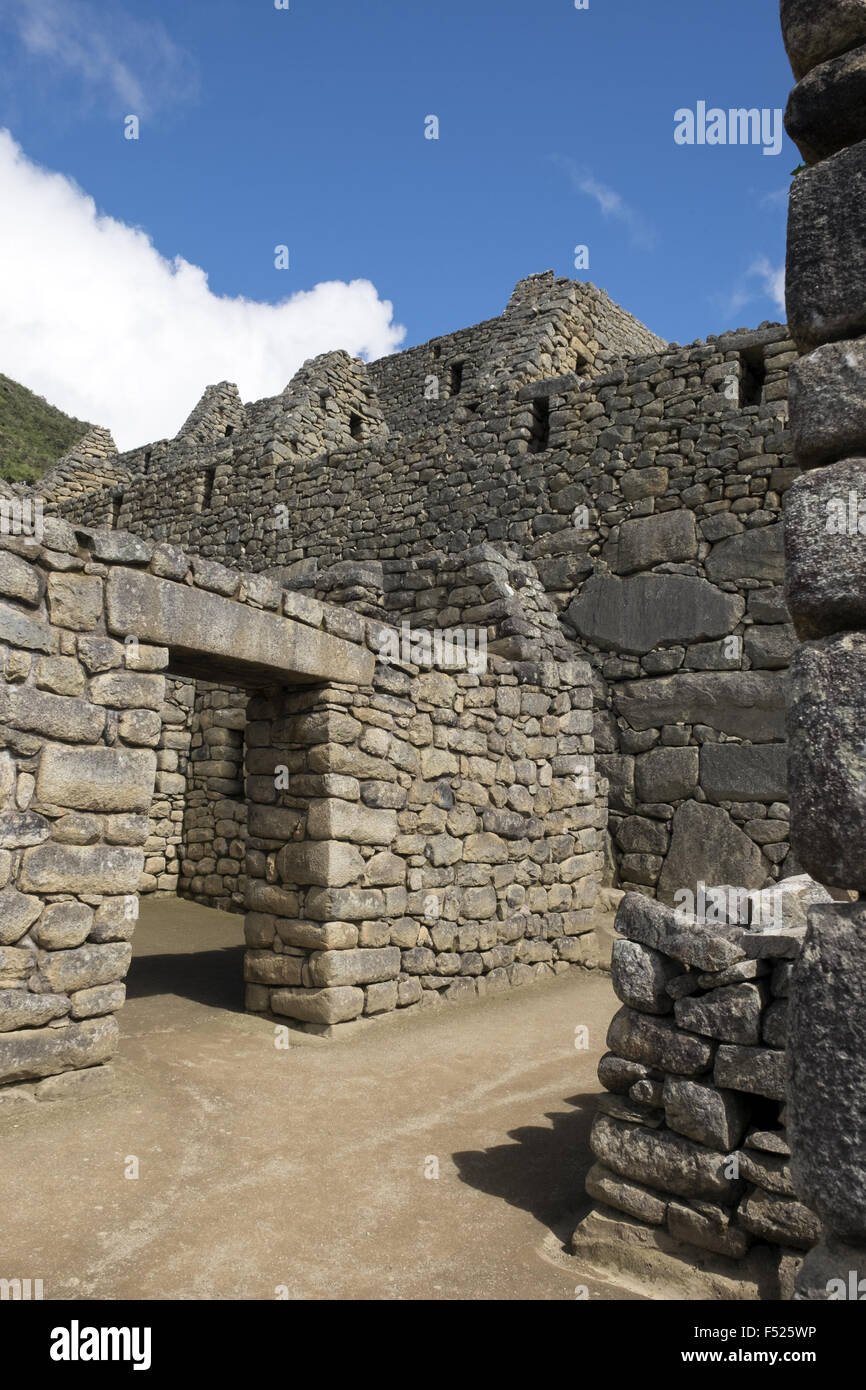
x=33 y=434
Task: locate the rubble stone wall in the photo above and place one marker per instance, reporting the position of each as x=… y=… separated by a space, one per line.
x=414 y=833
x=443 y=839
x=691 y=1136
x=644 y=483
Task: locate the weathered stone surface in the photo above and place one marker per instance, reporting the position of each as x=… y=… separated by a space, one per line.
x=772 y=1172
x=75 y=600
x=20 y=630
x=814 y=33
x=19 y=580
x=652 y=540
x=657 y=1042
x=666 y=774
x=826 y=1047
x=18 y=911
x=826 y=110
x=36 y=1052
x=128 y=690
x=744 y=703
x=267 y=968
x=825 y=550
x=826 y=716
x=63 y=925
x=707 y=847
x=826 y=262
x=831 y=1272
x=318 y=1005
x=359 y=967
x=634 y=615
x=640 y=976
x=714 y=1233
x=100 y=999
x=731 y=1014
x=333 y=819
x=96 y=779
x=618 y=770
x=704 y=1113
x=778 y=1219
x=755 y=554
x=661 y=1160
x=756 y=1070
x=55 y=868
x=21 y=1009
x=618 y=1074
x=320 y=862
x=827 y=400
x=654 y=924
x=605 y=1186
x=745 y=772
x=185 y=619
x=345 y=904
x=83 y=967
x=55 y=716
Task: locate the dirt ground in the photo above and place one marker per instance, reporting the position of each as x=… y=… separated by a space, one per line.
x=304 y=1172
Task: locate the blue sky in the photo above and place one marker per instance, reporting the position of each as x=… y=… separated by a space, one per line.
x=305 y=127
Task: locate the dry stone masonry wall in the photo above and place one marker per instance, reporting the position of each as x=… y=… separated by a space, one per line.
x=414 y=833
x=637 y=487
x=691 y=1140
x=826 y=565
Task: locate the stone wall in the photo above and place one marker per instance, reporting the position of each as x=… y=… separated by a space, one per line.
x=443 y=839
x=413 y=833
x=644 y=486
x=213 y=846
x=826 y=568
x=690 y=1140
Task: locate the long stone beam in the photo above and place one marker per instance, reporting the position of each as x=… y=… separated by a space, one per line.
x=194 y=623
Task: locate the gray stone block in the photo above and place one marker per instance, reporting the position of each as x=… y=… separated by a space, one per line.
x=826 y=263
x=745 y=772
x=826 y=1048
x=637 y=614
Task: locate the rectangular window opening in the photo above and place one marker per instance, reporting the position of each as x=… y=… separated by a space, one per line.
x=539 y=438
x=230 y=429
x=116 y=504
x=356 y=426
x=456 y=378
x=753 y=374
x=207 y=489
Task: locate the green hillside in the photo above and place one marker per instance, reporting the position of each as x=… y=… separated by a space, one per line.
x=33 y=435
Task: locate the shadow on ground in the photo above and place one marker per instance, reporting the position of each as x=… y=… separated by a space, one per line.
x=214 y=978
x=543 y=1170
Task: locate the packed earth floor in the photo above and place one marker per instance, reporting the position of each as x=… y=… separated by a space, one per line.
x=267 y=1172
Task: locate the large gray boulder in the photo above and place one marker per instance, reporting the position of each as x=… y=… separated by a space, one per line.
x=634 y=615
x=706 y=846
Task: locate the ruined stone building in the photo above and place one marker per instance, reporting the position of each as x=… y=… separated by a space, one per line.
x=223 y=680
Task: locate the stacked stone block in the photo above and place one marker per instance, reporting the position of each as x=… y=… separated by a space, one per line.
x=691 y=1136
x=213 y=846
x=826 y=561
x=444 y=839
x=648 y=511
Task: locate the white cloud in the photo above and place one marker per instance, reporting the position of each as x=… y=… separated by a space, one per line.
x=762 y=280
x=130 y=62
x=97 y=321
x=772 y=279
x=611 y=203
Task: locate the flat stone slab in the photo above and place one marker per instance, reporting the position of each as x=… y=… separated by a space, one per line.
x=195 y=623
